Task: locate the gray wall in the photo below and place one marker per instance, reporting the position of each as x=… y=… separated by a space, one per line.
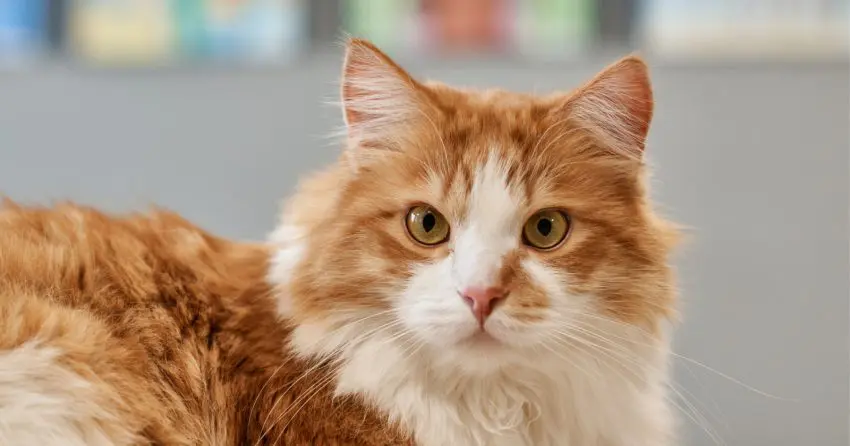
x=753 y=158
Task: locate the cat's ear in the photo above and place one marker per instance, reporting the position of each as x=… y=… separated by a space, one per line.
x=616 y=106
x=379 y=98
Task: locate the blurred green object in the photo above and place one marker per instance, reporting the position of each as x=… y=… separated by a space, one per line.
x=385 y=22
x=189 y=15
x=555 y=28
x=549 y=28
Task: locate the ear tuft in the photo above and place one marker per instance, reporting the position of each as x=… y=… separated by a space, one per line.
x=377 y=94
x=616 y=106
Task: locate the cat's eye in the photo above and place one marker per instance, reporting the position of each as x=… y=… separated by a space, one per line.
x=426 y=225
x=546 y=229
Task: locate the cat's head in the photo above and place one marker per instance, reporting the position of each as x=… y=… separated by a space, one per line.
x=477 y=224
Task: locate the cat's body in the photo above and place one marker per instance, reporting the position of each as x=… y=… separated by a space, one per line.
x=479 y=268
x=147 y=330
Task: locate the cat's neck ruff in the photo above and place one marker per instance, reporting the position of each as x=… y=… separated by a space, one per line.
x=544 y=398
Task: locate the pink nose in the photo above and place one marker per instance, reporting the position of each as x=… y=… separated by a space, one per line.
x=482 y=300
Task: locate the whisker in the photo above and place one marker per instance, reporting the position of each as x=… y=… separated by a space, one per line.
x=263 y=427
x=692 y=412
x=262 y=388
x=707 y=430
x=680 y=356
x=718 y=416
x=683 y=393
x=608 y=353
x=319 y=364
x=307 y=396
x=698 y=418
x=568 y=360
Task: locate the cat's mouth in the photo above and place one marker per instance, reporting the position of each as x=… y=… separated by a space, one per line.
x=482 y=339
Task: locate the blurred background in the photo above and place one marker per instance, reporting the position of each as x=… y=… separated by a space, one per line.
x=215 y=108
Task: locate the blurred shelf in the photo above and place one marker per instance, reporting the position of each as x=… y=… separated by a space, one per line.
x=206 y=36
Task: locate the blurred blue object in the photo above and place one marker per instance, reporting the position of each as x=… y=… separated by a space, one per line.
x=23 y=30
x=264 y=30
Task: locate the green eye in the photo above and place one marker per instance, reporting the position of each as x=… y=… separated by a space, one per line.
x=426 y=225
x=546 y=229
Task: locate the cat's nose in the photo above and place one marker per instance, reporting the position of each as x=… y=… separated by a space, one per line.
x=482 y=300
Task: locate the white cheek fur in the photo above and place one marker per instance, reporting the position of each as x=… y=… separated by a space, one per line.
x=289 y=241
x=562 y=307
x=432 y=308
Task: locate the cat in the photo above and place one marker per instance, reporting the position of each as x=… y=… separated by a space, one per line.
x=478 y=268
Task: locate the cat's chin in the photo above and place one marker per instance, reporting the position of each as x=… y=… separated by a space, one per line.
x=483 y=342
x=478 y=358
x=480 y=353
x=482 y=339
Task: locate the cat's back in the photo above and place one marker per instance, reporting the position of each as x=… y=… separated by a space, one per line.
x=145 y=329
x=107 y=325
x=145 y=277
x=86 y=258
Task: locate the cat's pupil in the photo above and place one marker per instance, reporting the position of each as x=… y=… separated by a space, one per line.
x=544 y=227
x=428 y=222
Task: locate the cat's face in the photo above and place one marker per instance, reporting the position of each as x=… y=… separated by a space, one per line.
x=482 y=225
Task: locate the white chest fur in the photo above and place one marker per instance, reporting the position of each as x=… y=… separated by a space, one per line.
x=592 y=402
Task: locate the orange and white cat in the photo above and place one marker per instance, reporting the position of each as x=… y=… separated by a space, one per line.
x=478 y=268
